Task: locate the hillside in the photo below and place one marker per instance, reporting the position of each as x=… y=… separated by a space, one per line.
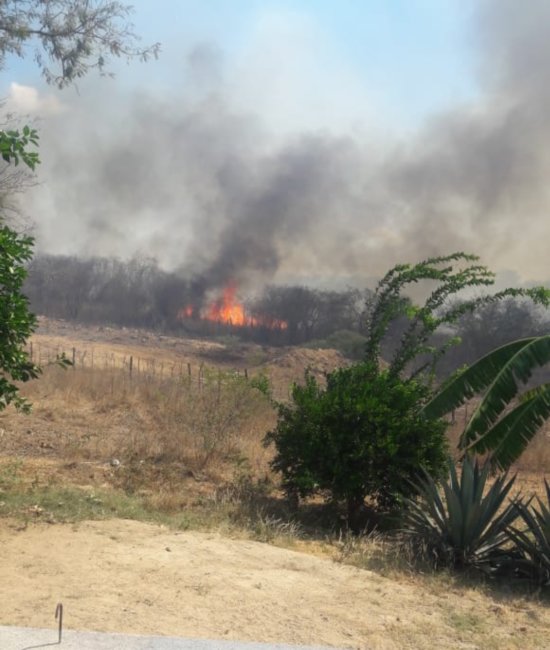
x=137 y=492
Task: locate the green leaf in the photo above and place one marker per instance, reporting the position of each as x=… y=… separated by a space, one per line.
x=473 y=379
x=505 y=386
x=508 y=438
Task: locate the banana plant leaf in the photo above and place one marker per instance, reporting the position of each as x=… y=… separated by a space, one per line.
x=508 y=438
x=499 y=376
x=473 y=380
x=505 y=387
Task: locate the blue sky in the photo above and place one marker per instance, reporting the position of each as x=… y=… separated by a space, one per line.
x=414 y=56
x=402 y=60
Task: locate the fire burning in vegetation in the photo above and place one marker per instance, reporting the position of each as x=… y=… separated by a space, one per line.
x=228 y=310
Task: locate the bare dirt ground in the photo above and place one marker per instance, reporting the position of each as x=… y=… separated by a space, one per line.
x=126 y=576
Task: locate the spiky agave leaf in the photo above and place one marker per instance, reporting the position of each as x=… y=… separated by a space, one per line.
x=534 y=541
x=508 y=438
x=458 y=524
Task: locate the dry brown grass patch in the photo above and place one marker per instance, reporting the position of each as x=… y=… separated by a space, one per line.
x=97 y=414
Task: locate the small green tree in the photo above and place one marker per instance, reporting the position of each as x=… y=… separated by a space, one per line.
x=16 y=321
x=362 y=435
x=367 y=433
x=452 y=275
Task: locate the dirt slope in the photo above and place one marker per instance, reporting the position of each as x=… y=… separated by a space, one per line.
x=131 y=577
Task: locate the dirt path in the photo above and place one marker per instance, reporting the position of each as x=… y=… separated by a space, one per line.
x=127 y=576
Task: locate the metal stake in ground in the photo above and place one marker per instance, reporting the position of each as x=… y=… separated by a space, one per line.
x=59 y=613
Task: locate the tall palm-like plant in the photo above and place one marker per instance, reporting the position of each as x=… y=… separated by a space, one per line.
x=506 y=420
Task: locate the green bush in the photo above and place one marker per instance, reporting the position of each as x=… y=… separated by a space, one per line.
x=363 y=435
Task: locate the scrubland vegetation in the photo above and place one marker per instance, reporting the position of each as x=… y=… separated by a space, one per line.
x=214 y=453
x=196 y=461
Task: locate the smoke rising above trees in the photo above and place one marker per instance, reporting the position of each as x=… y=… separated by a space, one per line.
x=201 y=185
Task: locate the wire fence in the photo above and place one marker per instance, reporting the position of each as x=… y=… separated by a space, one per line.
x=141 y=367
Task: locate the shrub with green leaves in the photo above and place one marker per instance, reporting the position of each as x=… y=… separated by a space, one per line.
x=363 y=435
x=16 y=321
x=369 y=431
x=459 y=523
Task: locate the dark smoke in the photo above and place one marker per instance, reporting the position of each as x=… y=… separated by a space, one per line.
x=204 y=188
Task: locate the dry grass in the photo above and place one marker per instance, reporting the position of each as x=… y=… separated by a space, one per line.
x=98 y=414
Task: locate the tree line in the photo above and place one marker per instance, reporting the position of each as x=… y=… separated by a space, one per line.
x=138 y=293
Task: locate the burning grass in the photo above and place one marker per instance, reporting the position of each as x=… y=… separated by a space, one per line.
x=227 y=309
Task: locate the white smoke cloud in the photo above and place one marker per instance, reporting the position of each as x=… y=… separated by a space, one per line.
x=201 y=179
x=28 y=100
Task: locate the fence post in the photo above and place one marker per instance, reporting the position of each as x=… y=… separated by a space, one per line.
x=74 y=358
x=131 y=365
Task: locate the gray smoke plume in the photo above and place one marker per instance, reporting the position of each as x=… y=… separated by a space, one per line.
x=206 y=189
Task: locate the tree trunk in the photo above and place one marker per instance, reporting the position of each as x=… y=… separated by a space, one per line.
x=355 y=504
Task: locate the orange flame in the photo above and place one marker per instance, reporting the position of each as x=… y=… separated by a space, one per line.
x=186 y=312
x=228 y=310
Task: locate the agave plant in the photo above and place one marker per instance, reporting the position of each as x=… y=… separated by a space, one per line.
x=460 y=523
x=505 y=421
x=534 y=541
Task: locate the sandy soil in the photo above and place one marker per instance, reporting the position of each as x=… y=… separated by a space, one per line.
x=127 y=576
